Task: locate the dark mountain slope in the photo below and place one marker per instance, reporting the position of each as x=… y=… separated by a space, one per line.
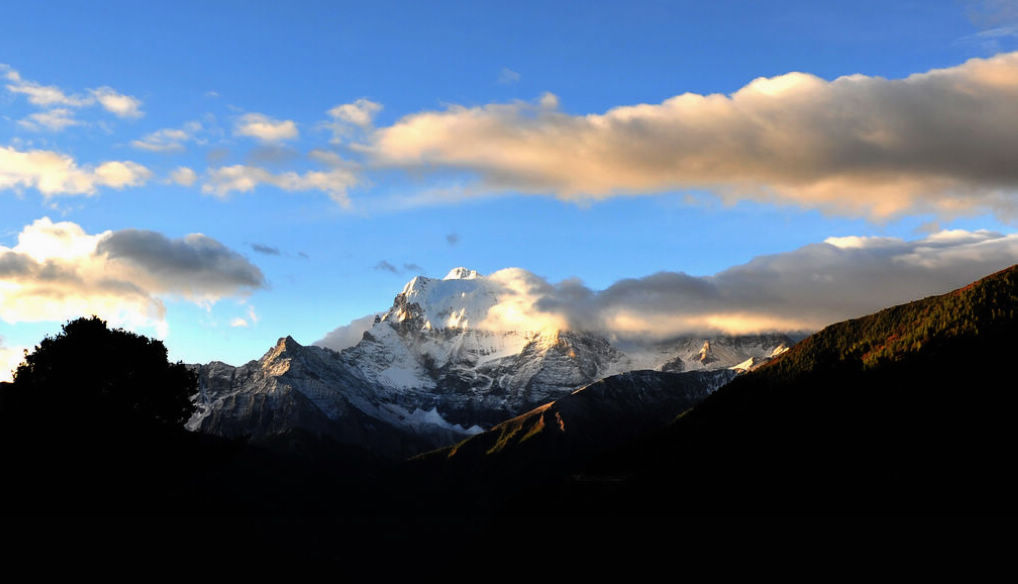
x=548 y=442
x=909 y=410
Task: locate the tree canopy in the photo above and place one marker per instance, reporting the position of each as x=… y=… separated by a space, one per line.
x=99 y=375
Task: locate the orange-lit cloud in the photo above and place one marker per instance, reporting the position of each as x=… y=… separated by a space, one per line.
x=57 y=271
x=943 y=141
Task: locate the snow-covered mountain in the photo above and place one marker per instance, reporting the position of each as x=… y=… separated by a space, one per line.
x=450 y=358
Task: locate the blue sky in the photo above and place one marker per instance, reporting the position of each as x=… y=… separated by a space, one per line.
x=342 y=206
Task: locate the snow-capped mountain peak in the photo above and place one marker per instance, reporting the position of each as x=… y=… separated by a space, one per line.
x=462 y=274
x=460 y=302
x=448 y=358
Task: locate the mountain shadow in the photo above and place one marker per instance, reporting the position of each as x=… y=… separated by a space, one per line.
x=906 y=411
x=545 y=444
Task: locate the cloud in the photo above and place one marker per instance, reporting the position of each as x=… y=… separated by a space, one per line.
x=272 y=155
x=252 y=319
x=452 y=239
x=347 y=335
x=41 y=95
x=240 y=178
x=359 y=113
x=265 y=129
x=123 y=106
x=10 y=358
x=805 y=289
x=942 y=141
x=57 y=271
x=183 y=176
x=168 y=139
x=800 y=290
x=992 y=13
x=264 y=249
x=196 y=267
x=998 y=20
x=385 y=266
x=507 y=76
x=53 y=120
x=350 y=117
x=121 y=174
x=52 y=173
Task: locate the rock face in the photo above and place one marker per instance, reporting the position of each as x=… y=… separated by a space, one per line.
x=449 y=359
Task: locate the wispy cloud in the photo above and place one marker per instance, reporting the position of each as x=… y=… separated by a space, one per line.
x=54 y=120
x=265 y=129
x=408 y=267
x=119 y=104
x=168 y=139
x=264 y=249
x=348 y=118
x=507 y=76
x=240 y=178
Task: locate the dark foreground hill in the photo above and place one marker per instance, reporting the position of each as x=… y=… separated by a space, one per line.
x=544 y=445
x=909 y=410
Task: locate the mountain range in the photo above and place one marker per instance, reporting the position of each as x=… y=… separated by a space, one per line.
x=449 y=359
x=905 y=411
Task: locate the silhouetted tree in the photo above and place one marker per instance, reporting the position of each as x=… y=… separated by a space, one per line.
x=96 y=375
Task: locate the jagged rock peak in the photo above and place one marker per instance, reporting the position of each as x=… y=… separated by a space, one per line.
x=782 y=348
x=462 y=274
x=706 y=355
x=284 y=345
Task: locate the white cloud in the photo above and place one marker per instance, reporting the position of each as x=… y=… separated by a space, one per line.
x=57 y=271
x=941 y=141
x=240 y=178
x=53 y=120
x=10 y=358
x=183 y=176
x=123 y=106
x=241 y=322
x=265 y=129
x=347 y=335
x=53 y=173
x=168 y=139
x=350 y=117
